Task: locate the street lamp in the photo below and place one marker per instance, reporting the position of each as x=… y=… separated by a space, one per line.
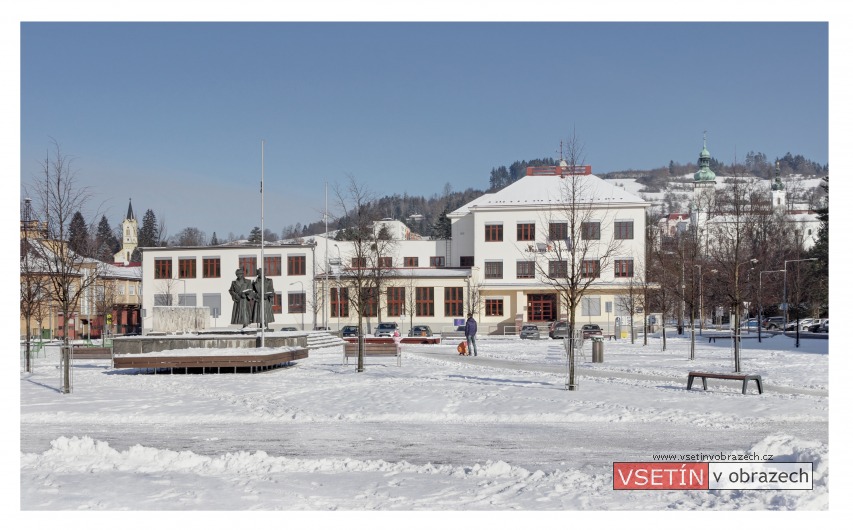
x=785 y=297
x=302 y=287
x=760 y=305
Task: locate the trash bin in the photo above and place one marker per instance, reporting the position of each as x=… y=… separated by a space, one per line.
x=598 y=349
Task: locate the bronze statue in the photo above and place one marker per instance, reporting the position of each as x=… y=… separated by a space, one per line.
x=241 y=292
x=266 y=303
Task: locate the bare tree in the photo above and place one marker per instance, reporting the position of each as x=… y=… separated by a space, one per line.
x=577 y=254
x=367 y=271
x=189 y=237
x=70 y=273
x=34 y=281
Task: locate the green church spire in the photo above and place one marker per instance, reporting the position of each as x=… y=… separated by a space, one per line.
x=704 y=173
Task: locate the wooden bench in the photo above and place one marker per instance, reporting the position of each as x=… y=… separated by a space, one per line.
x=91 y=353
x=375 y=349
x=738 y=377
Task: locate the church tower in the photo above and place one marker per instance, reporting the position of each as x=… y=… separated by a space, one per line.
x=704 y=184
x=777 y=190
x=129 y=241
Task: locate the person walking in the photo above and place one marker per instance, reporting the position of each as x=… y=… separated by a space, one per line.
x=471 y=335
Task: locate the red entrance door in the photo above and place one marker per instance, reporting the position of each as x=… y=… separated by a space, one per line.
x=541 y=307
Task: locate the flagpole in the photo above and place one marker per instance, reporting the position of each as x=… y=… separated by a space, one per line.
x=263 y=300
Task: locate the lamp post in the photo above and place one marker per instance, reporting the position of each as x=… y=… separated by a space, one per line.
x=302 y=287
x=760 y=305
x=785 y=297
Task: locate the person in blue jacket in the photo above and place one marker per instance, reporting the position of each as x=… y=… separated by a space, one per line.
x=470 y=334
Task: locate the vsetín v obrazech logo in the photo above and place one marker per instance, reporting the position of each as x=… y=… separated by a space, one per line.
x=712 y=476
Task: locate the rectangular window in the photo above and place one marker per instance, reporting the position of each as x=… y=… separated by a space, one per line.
x=558 y=269
x=249 y=265
x=370 y=301
x=163 y=299
x=276 y=303
x=494 y=307
x=623 y=268
x=272 y=265
x=396 y=301
x=591 y=230
x=340 y=302
x=295 y=302
x=436 y=261
x=494 y=270
x=466 y=261
x=385 y=262
x=494 y=232
x=296 y=265
x=186 y=267
x=590 y=268
x=591 y=306
x=186 y=300
x=132 y=290
x=163 y=267
x=121 y=288
x=525 y=269
x=525 y=231
x=453 y=301
x=359 y=263
x=212 y=301
x=623 y=230
x=558 y=231
x=210 y=267
x=410 y=261
x=424 y=301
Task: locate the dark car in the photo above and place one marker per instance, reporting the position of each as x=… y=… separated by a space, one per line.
x=591 y=330
x=349 y=331
x=289 y=328
x=420 y=331
x=529 y=331
x=386 y=329
x=773 y=323
x=558 y=330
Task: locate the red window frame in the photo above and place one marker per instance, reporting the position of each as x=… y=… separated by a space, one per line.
x=558 y=231
x=210 y=267
x=525 y=231
x=590 y=268
x=186 y=267
x=424 y=301
x=296 y=265
x=623 y=230
x=558 y=269
x=358 y=263
x=249 y=264
x=276 y=303
x=494 y=232
x=453 y=301
x=494 y=307
x=162 y=268
x=525 y=269
x=591 y=230
x=340 y=301
x=395 y=301
x=295 y=302
x=272 y=265
x=385 y=262
x=494 y=270
x=623 y=268
x=436 y=261
x=410 y=261
x=370 y=301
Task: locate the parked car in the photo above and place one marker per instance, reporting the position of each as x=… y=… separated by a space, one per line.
x=803 y=323
x=773 y=322
x=591 y=330
x=322 y=328
x=420 y=331
x=386 y=329
x=529 y=331
x=819 y=325
x=558 y=330
x=349 y=331
x=289 y=328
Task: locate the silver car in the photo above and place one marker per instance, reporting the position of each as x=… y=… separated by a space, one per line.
x=530 y=331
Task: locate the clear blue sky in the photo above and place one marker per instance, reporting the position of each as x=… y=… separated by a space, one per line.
x=172 y=114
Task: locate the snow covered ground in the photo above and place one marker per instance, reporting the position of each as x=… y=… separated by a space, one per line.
x=441 y=432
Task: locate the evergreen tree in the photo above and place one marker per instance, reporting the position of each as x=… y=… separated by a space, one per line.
x=255 y=235
x=106 y=242
x=441 y=228
x=78 y=234
x=213 y=240
x=148 y=232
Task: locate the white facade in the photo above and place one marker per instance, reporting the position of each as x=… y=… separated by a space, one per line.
x=446 y=274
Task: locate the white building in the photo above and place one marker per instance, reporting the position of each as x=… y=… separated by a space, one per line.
x=491 y=258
